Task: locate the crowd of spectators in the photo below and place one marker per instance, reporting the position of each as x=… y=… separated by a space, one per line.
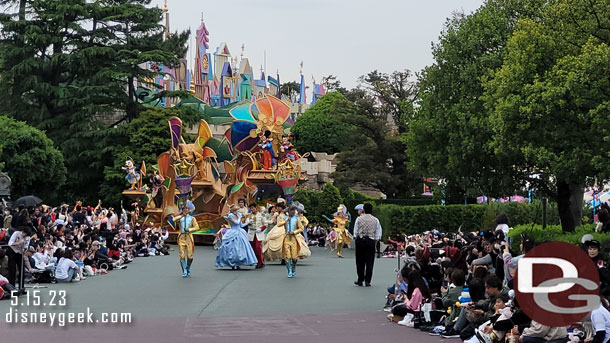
x=70 y=243
x=461 y=286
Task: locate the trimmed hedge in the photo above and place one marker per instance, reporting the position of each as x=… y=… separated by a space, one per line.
x=416 y=219
x=554 y=233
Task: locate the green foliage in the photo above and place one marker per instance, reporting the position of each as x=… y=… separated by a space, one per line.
x=555 y=233
x=397 y=219
x=142 y=140
x=288 y=88
x=450 y=134
x=321 y=128
x=326 y=201
x=69 y=66
x=34 y=165
x=374 y=154
x=549 y=95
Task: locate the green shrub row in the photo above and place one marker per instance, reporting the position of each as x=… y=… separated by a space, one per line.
x=416 y=219
x=554 y=233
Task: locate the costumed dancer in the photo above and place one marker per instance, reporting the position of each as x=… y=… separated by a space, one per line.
x=272 y=247
x=291 y=246
x=256 y=235
x=304 y=252
x=341 y=236
x=243 y=210
x=186 y=225
x=235 y=250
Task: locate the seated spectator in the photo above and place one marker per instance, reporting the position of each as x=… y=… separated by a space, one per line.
x=453 y=292
x=600 y=319
x=538 y=333
x=416 y=293
x=476 y=290
x=66 y=270
x=494 y=289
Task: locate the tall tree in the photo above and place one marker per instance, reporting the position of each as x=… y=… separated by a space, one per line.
x=396 y=92
x=288 y=88
x=70 y=65
x=30 y=159
x=450 y=133
x=322 y=128
x=136 y=34
x=374 y=154
x=551 y=96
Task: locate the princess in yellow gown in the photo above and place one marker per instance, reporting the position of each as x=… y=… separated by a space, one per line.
x=340 y=236
x=273 y=244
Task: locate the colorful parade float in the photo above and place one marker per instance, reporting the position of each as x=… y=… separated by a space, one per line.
x=242 y=151
x=260 y=159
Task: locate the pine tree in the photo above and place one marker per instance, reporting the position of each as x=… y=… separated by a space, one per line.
x=68 y=65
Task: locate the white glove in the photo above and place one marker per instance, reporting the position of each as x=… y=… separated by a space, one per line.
x=259 y=230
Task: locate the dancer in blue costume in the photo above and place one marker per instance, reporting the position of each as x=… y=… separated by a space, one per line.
x=235 y=250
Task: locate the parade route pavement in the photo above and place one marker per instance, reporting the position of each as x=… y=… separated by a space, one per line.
x=321 y=304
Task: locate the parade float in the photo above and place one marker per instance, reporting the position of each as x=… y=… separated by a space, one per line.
x=261 y=159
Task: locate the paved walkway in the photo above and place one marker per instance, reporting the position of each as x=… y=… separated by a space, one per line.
x=321 y=304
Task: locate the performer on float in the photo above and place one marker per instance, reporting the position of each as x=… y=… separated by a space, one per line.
x=288 y=149
x=291 y=246
x=132 y=175
x=186 y=225
x=256 y=235
x=269 y=158
x=272 y=247
x=235 y=250
x=340 y=236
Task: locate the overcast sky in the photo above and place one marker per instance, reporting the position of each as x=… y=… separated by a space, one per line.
x=346 y=38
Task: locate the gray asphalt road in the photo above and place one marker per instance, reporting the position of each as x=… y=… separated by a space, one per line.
x=321 y=304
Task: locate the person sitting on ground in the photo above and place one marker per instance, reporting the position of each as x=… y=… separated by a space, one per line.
x=66 y=270
x=494 y=289
x=416 y=293
x=467 y=314
x=538 y=333
x=600 y=319
x=452 y=293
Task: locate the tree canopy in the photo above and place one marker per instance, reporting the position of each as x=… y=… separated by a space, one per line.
x=550 y=101
x=34 y=165
x=69 y=68
x=322 y=127
x=450 y=133
x=517 y=98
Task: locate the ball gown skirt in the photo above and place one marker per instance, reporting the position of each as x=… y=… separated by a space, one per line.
x=235 y=250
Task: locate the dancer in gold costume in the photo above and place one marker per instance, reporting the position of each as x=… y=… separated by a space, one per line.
x=291 y=246
x=186 y=225
x=341 y=235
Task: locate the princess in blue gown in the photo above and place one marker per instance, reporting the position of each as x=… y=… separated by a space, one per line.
x=235 y=250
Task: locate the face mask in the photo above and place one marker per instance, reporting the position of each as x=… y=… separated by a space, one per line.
x=497 y=246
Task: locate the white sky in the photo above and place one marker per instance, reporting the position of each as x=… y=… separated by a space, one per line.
x=346 y=38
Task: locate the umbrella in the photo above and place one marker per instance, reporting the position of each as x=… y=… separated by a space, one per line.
x=27 y=201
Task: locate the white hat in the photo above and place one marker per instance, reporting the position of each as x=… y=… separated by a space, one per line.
x=359 y=207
